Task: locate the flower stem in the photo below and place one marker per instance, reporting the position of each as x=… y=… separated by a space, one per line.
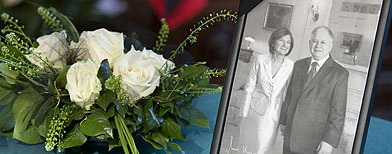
x=21 y=32
x=125 y=135
x=121 y=135
x=198 y=29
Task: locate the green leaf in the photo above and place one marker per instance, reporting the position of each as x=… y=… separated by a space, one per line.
x=98 y=120
x=191 y=71
x=132 y=41
x=77 y=114
x=139 y=110
x=4 y=86
x=13 y=51
x=122 y=109
x=167 y=105
x=99 y=114
x=7 y=97
x=7 y=134
x=162 y=111
x=40 y=121
x=149 y=104
x=160 y=138
x=6 y=120
x=175 y=146
x=176 y=112
x=43 y=128
x=9 y=75
x=110 y=112
x=72 y=139
x=194 y=116
x=105 y=99
x=172 y=129
x=113 y=143
x=24 y=106
x=61 y=80
x=156 y=145
x=51 y=89
x=104 y=71
x=72 y=32
x=42 y=112
x=152 y=121
x=184 y=122
x=91 y=128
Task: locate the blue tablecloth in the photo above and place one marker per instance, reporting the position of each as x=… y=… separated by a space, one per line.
x=199 y=139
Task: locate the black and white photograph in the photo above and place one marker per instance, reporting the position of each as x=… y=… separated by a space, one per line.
x=300 y=77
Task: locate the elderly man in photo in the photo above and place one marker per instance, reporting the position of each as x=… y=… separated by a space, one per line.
x=314 y=109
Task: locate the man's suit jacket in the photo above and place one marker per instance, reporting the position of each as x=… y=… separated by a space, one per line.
x=315 y=112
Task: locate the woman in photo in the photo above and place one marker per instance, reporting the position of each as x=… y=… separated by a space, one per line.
x=265 y=92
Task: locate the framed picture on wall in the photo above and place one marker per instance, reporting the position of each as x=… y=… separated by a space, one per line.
x=351 y=42
x=293 y=96
x=278 y=15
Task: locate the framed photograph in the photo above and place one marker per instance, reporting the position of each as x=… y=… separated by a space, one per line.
x=277 y=15
x=351 y=42
x=294 y=94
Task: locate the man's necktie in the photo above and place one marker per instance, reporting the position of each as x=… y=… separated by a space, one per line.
x=312 y=72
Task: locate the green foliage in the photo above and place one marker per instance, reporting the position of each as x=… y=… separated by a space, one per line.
x=97 y=124
x=61 y=80
x=11 y=26
x=72 y=139
x=194 y=116
x=174 y=146
x=106 y=99
x=104 y=71
x=58 y=22
x=9 y=75
x=125 y=135
x=152 y=121
x=13 y=40
x=114 y=83
x=36 y=103
x=50 y=19
x=160 y=138
x=162 y=37
x=113 y=143
x=91 y=128
x=41 y=119
x=192 y=71
x=156 y=145
x=57 y=126
x=172 y=129
x=16 y=61
x=216 y=72
x=23 y=110
x=132 y=41
x=202 y=25
x=7 y=97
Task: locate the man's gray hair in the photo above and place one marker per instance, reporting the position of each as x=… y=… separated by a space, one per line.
x=322 y=27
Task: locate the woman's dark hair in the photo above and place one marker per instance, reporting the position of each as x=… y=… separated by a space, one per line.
x=277 y=34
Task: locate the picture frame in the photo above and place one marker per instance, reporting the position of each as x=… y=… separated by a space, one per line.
x=277 y=15
x=351 y=42
x=233 y=130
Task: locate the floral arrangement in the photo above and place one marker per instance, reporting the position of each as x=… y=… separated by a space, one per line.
x=63 y=88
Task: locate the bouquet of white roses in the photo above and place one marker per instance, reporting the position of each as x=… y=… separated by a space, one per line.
x=63 y=88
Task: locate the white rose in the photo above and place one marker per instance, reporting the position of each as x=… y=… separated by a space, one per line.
x=159 y=61
x=139 y=72
x=101 y=44
x=52 y=48
x=83 y=84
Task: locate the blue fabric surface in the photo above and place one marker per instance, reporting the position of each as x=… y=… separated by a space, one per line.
x=379 y=137
x=200 y=139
